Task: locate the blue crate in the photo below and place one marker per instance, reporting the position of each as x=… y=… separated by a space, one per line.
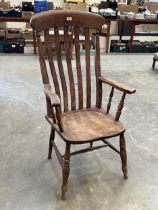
x=40 y=6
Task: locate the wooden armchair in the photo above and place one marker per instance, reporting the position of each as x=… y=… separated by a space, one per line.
x=80 y=123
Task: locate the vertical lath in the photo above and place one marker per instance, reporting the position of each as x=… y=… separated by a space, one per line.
x=88 y=73
x=98 y=72
x=78 y=67
x=67 y=41
x=60 y=66
x=51 y=63
x=44 y=73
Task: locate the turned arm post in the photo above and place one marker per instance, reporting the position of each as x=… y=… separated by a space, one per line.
x=110 y=100
x=120 y=107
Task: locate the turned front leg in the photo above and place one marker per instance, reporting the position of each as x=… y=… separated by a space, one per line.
x=65 y=170
x=123 y=155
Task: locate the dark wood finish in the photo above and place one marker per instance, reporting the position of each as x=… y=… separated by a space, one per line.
x=42 y=62
x=55 y=100
x=78 y=67
x=60 y=66
x=66 y=170
x=110 y=100
x=98 y=73
x=69 y=67
x=123 y=155
x=117 y=85
x=51 y=63
x=86 y=123
x=41 y=21
x=15 y=19
x=111 y=146
x=89 y=149
x=88 y=73
x=58 y=115
x=51 y=139
x=89 y=125
x=58 y=154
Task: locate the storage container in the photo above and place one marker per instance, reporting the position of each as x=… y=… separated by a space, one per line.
x=40 y=5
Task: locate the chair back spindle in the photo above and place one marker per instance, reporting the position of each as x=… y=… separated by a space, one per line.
x=71 y=85
x=98 y=73
x=88 y=71
x=61 y=70
x=78 y=67
x=51 y=63
x=69 y=67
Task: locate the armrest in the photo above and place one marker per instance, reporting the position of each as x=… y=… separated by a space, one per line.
x=117 y=85
x=54 y=98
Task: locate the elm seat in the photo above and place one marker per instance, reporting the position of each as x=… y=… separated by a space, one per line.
x=70 y=110
x=88 y=125
x=155 y=58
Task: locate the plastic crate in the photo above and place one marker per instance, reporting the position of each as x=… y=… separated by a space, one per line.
x=13 y=47
x=2 y=44
x=144 y=48
x=40 y=6
x=119 y=47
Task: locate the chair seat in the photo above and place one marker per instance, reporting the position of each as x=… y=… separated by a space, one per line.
x=89 y=125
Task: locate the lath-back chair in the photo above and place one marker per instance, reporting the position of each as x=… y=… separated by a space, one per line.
x=81 y=122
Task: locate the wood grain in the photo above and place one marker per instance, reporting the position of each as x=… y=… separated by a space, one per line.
x=117 y=85
x=51 y=62
x=88 y=71
x=78 y=68
x=69 y=67
x=60 y=66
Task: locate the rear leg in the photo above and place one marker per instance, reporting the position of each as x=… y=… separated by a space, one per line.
x=51 y=139
x=123 y=155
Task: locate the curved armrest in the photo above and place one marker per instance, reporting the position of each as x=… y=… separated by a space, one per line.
x=53 y=97
x=54 y=102
x=117 y=85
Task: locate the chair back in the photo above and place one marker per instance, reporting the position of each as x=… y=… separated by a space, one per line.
x=68 y=81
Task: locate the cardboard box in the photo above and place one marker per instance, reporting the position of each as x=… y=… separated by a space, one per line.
x=5 y=5
x=27 y=14
x=3 y=25
x=78 y=6
x=152 y=6
x=128 y=8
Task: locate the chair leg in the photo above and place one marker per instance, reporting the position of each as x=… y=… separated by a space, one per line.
x=51 y=139
x=123 y=155
x=65 y=170
x=154 y=61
